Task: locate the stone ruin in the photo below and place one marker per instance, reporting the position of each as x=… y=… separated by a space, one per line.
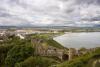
x=63 y=54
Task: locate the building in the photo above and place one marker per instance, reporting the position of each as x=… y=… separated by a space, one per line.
x=42 y=49
x=21 y=36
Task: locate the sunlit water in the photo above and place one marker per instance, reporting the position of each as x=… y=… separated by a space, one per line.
x=78 y=40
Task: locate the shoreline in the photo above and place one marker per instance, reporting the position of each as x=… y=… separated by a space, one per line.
x=82 y=39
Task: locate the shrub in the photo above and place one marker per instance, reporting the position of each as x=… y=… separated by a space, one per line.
x=36 y=62
x=17 y=54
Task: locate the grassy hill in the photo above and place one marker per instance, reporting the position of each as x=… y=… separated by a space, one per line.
x=16 y=52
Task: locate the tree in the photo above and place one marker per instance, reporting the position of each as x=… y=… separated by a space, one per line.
x=17 y=54
x=36 y=62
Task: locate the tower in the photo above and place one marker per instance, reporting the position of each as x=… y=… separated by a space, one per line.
x=71 y=53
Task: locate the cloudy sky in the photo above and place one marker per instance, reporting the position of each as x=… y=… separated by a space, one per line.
x=49 y=12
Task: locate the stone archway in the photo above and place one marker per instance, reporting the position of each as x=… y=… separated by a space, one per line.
x=96 y=63
x=65 y=57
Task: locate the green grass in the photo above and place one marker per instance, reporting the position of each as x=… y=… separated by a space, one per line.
x=53 y=43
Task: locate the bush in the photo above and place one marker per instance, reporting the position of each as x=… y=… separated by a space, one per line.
x=3 y=52
x=17 y=54
x=36 y=62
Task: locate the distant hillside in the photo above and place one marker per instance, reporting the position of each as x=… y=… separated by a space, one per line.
x=50 y=27
x=7 y=27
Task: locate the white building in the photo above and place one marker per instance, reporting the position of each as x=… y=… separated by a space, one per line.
x=21 y=36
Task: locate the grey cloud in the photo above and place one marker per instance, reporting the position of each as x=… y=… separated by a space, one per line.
x=49 y=11
x=92 y=19
x=85 y=1
x=5 y=15
x=96 y=2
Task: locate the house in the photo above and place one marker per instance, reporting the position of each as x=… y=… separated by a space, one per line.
x=21 y=36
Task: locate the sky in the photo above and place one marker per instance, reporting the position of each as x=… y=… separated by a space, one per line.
x=49 y=12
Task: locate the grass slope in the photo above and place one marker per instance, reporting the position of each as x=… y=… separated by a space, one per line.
x=53 y=43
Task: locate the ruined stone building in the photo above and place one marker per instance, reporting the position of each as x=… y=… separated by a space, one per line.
x=42 y=49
